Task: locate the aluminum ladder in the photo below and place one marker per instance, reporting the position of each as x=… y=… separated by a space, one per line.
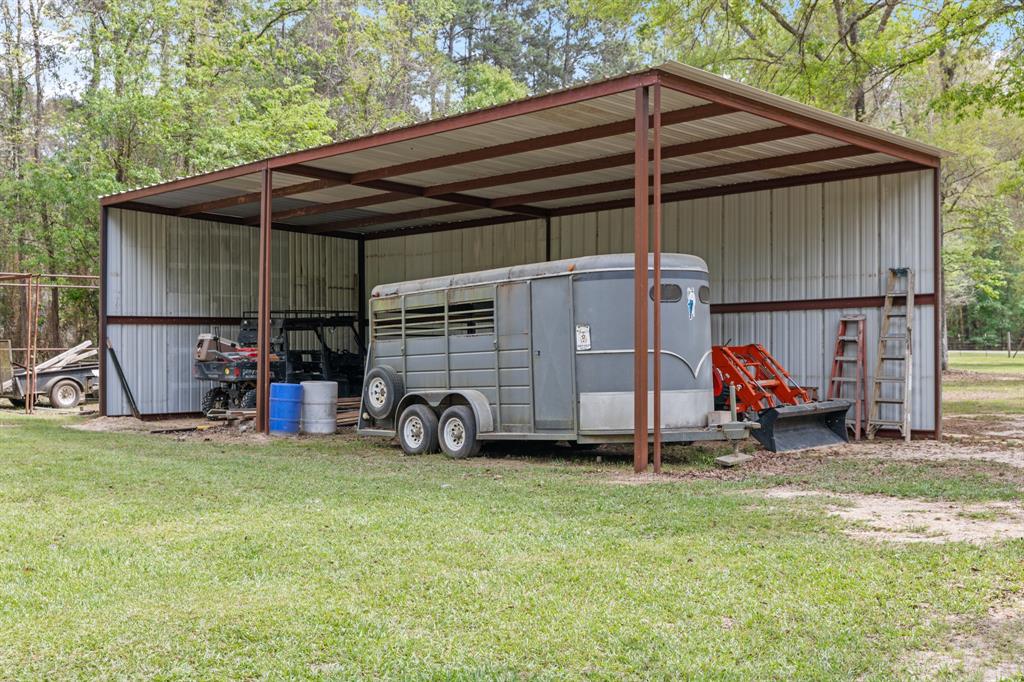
x=850 y=351
x=895 y=357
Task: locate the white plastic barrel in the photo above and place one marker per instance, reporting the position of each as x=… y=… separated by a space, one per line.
x=319 y=407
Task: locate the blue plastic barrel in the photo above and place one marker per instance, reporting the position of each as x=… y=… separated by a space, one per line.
x=285 y=408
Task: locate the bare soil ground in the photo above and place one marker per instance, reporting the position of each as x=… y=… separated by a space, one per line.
x=881 y=517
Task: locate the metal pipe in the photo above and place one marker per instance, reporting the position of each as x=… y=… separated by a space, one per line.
x=21 y=285
x=939 y=293
x=18 y=275
x=640 y=248
x=656 y=247
x=263 y=314
x=104 y=272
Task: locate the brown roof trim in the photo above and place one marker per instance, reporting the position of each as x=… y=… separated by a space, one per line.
x=217 y=218
x=530 y=105
x=443 y=227
x=811 y=304
x=184 y=183
x=811 y=125
x=753 y=186
x=534 y=104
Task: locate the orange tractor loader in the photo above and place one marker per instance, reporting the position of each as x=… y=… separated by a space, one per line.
x=768 y=395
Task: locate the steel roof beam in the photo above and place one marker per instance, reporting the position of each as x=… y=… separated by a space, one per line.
x=625 y=159
x=791 y=118
x=324 y=178
x=328 y=178
x=383 y=218
x=765 y=163
x=751 y=165
x=529 y=105
x=597 y=132
x=399 y=191
x=682 y=195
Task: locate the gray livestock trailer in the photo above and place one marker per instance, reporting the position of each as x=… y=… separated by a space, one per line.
x=541 y=352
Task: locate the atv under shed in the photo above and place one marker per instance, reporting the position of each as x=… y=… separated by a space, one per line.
x=799 y=213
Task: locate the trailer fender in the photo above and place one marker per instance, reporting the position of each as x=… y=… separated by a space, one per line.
x=475 y=399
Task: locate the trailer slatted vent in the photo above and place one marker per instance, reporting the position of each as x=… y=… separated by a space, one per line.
x=464 y=318
x=387 y=324
x=471 y=317
x=424 y=321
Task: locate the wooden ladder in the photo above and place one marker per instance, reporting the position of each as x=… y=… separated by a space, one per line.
x=895 y=356
x=850 y=351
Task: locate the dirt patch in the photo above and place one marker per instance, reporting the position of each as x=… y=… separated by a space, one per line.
x=880 y=517
x=989 y=426
x=130 y=424
x=988 y=648
x=965 y=375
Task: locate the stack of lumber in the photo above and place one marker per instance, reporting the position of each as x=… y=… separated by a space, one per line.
x=348 y=412
x=68 y=358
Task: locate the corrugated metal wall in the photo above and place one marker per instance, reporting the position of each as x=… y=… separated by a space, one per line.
x=819 y=241
x=164 y=266
x=446 y=253
x=834 y=240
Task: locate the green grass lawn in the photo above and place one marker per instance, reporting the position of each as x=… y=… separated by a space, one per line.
x=125 y=556
x=989 y=362
x=984 y=383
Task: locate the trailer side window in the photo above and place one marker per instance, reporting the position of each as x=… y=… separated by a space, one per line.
x=424 y=320
x=670 y=293
x=468 y=318
x=704 y=294
x=387 y=324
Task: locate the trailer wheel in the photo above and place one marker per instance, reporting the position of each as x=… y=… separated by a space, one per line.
x=65 y=394
x=249 y=400
x=458 y=432
x=214 y=399
x=382 y=390
x=417 y=430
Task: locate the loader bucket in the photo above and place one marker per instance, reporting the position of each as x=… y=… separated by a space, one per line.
x=795 y=427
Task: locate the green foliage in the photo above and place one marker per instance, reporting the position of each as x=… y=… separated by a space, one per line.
x=99 y=97
x=488 y=85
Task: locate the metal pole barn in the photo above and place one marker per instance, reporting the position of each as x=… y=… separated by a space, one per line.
x=640 y=248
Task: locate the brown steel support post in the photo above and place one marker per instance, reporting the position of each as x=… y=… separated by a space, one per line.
x=263 y=314
x=640 y=243
x=547 y=238
x=103 y=311
x=364 y=323
x=656 y=247
x=30 y=324
x=940 y=297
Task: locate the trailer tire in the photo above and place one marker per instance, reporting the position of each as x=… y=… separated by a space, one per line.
x=65 y=394
x=382 y=389
x=417 y=430
x=248 y=401
x=457 y=432
x=215 y=398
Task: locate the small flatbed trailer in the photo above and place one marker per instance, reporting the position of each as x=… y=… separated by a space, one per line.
x=65 y=379
x=64 y=388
